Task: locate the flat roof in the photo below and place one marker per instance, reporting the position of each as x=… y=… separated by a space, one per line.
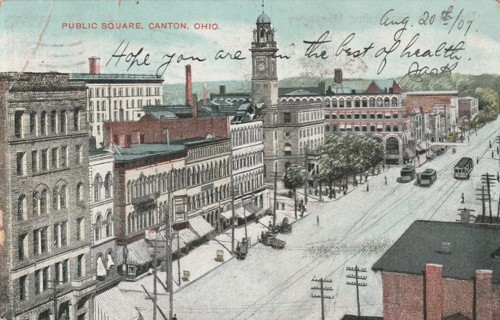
x=472 y=247
x=115 y=77
x=141 y=151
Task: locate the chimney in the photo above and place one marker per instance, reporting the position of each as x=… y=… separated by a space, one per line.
x=189 y=87
x=205 y=95
x=222 y=89
x=337 y=78
x=433 y=286
x=483 y=295
x=195 y=106
x=94 y=65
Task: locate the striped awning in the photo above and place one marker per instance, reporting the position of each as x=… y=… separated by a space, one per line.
x=111 y=305
x=253 y=209
x=185 y=236
x=227 y=214
x=200 y=226
x=139 y=253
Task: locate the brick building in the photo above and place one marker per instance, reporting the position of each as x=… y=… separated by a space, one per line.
x=44 y=210
x=158 y=159
x=442 y=270
x=468 y=109
x=116 y=97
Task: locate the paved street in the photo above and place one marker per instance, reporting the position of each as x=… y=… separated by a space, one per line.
x=353 y=230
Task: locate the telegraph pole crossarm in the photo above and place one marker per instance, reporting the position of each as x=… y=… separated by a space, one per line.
x=322 y=295
x=356 y=283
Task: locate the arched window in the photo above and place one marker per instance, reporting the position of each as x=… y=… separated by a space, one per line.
x=97 y=187
x=22 y=208
x=97 y=227
x=55 y=199
x=392 y=146
x=394 y=102
x=62 y=197
x=43 y=123
x=108 y=183
x=62 y=121
x=43 y=201
x=109 y=224
x=79 y=192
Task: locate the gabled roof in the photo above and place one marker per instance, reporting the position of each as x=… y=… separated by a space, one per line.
x=348 y=85
x=472 y=248
x=299 y=91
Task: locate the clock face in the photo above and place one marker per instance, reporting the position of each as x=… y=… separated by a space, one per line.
x=261 y=66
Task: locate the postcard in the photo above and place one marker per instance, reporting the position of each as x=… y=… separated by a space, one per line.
x=249 y=159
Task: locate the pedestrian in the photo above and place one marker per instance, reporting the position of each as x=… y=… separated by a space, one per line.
x=282 y=206
x=175 y=317
x=367 y=187
x=317 y=220
x=385 y=179
x=477 y=159
x=463 y=198
x=492 y=154
x=498 y=177
x=383 y=166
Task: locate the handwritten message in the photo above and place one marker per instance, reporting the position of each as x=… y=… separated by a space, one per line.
x=414 y=51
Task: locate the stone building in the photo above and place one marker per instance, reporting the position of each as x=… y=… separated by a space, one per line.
x=44 y=211
x=116 y=97
x=442 y=270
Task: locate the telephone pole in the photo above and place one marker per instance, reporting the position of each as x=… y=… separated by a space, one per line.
x=322 y=295
x=358 y=284
x=275 y=190
x=232 y=213
x=306 y=184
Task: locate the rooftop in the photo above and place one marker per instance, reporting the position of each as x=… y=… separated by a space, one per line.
x=140 y=151
x=472 y=247
x=115 y=77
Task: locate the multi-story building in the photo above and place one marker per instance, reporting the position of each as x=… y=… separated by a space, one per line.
x=117 y=97
x=248 y=160
x=439 y=110
x=468 y=109
x=44 y=211
x=290 y=127
x=442 y=270
x=161 y=160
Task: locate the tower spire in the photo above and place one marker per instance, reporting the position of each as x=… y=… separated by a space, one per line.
x=262 y=6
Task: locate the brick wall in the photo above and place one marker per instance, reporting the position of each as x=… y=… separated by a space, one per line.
x=178 y=129
x=426 y=102
x=403 y=290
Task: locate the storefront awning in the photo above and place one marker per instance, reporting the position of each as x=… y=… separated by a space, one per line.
x=110 y=262
x=185 y=236
x=348 y=126
x=227 y=214
x=111 y=305
x=139 y=253
x=253 y=209
x=200 y=226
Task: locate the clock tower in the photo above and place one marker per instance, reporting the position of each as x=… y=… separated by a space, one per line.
x=264 y=74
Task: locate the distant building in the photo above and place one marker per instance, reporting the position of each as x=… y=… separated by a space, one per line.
x=442 y=270
x=116 y=97
x=45 y=248
x=468 y=109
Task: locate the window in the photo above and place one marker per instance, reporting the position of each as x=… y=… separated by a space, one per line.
x=45 y=160
x=107 y=186
x=64 y=157
x=79 y=192
x=79 y=266
x=22 y=288
x=43 y=123
x=79 y=229
x=62 y=121
x=18 y=124
x=76 y=119
x=21 y=163
x=287 y=117
x=53 y=158
x=40 y=241
x=97 y=187
x=22 y=208
x=53 y=122
x=56 y=238
x=22 y=246
x=64 y=233
x=62 y=197
x=43 y=201
x=78 y=154
x=34 y=161
x=65 y=271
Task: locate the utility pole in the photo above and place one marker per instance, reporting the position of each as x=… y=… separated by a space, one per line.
x=306 y=166
x=274 y=205
x=358 y=284
x=487 y=180
x=233 y=215
x=168 y=258
x=179 y=254
x=322 y=295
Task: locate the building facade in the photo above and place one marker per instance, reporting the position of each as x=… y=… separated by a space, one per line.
x=45 y=244
x=117 y=97
x=468 y=109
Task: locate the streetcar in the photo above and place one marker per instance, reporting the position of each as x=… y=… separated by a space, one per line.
x=407 y=174
x=426 y=177
x=463 y=168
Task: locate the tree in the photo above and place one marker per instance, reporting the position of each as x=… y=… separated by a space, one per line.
x=295 y=177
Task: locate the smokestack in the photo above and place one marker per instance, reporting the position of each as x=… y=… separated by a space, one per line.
x=337 y=78
x=189 y=87
x=195 y=106
x=205 y=95
x=222 y=89
x=433 y=291
x=484 y=295
x=94 y=65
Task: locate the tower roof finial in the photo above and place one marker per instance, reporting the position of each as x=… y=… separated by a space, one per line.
x=262 y=6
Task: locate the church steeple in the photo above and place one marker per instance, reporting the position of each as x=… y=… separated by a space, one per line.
x=264 y=72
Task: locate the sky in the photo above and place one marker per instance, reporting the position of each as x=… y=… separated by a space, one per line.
x=366 y=38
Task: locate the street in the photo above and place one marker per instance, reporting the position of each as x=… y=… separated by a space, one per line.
x=353 y=230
